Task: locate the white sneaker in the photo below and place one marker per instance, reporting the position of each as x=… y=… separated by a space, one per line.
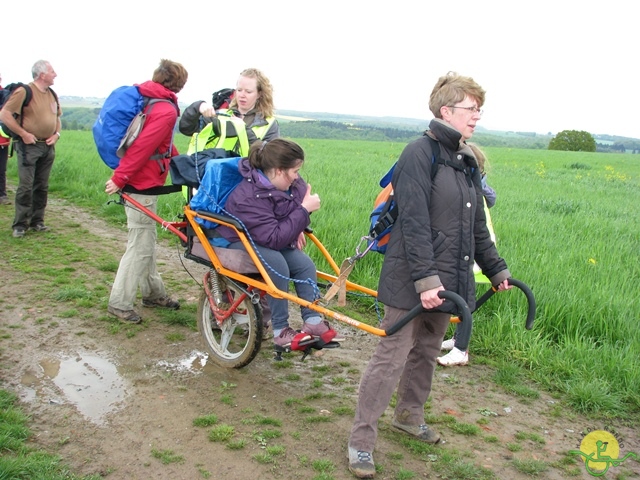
x=454 y=357
x=448 y=344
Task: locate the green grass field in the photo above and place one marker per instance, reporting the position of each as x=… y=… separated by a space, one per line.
x=566 y=222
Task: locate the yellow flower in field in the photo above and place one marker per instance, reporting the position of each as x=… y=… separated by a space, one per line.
x=592 y=261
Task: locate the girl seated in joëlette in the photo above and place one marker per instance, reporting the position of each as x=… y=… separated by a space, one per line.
x=274 y=203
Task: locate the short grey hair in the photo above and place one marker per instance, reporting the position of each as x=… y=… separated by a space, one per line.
x=41 y=66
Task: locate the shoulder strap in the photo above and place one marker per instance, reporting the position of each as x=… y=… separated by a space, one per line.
x=436 y=159
x=55 y=95
x=27 y=99
x=243 y=138
x=150 y=102
x=28 y=96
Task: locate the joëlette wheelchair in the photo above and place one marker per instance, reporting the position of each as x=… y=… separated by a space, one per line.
x=229 y=313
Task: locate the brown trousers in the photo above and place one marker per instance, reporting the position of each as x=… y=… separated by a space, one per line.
x=408 y=355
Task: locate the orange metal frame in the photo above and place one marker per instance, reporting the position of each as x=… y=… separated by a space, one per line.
x=265 y=284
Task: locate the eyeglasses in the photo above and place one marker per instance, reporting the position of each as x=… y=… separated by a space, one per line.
x=477 y=110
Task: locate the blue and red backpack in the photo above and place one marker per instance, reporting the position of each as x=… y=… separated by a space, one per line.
x=120 y=108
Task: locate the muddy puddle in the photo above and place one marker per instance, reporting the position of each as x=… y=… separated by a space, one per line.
x=95 y=385
x=92 y=384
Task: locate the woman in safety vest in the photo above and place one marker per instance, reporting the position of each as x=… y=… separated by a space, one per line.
x=248 y=118
x=251 y=107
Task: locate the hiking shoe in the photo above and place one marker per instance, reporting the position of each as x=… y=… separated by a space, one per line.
x=39 y=227
x=361 y=463
x=287 y=335
x=448 y=344
x=162 y=302
x=5 y=200
x=454 y=357
x=322 y=330
x=125 y=316
x=19 y=232
x=421 y=432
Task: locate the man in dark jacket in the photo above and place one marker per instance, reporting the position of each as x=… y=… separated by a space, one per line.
x=441 y=228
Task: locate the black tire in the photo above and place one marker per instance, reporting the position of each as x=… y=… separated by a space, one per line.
x=237 y=342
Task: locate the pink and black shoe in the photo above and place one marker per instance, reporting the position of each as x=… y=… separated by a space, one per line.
x=289 y=339
x=323 y=332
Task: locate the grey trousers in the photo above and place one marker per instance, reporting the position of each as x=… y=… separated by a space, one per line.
x=34 y=167
x=409 y=355
x=138 y=264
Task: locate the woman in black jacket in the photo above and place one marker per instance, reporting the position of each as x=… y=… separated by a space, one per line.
x=441 y=228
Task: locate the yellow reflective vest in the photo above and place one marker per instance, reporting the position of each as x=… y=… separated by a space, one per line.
x=480 y=278
x=232 y=135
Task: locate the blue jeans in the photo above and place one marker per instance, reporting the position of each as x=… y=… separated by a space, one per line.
x=289 y=263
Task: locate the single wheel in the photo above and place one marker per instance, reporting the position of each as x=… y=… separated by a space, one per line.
x=236 y=342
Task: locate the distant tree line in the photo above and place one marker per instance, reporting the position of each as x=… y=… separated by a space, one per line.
x=342 y=131
x=79 y=118
x=386 y=130
x=618 y=147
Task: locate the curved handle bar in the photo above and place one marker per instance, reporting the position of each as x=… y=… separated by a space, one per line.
x=527 y=292
x=463 y=311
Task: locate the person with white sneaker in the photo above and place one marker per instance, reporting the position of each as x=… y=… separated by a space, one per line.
x=458 y=345
x=440 y=230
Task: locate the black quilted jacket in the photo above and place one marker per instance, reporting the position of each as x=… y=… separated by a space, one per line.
x=441 y=226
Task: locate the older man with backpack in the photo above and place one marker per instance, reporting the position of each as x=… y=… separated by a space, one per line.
x=31 y=115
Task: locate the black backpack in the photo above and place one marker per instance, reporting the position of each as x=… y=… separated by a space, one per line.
x=6 y=92
x=222 y=98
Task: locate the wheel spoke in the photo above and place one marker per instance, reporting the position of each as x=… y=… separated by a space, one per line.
x=237 y=341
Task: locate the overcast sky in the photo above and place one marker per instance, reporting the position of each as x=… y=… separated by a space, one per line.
x=547 y=66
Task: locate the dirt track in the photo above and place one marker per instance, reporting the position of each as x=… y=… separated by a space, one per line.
x=110 y=399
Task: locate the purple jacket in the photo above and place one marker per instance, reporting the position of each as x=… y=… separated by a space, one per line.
x=273 y=218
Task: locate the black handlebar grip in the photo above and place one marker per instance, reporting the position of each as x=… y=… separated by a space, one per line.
x=463 y=311
x=531 y=313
